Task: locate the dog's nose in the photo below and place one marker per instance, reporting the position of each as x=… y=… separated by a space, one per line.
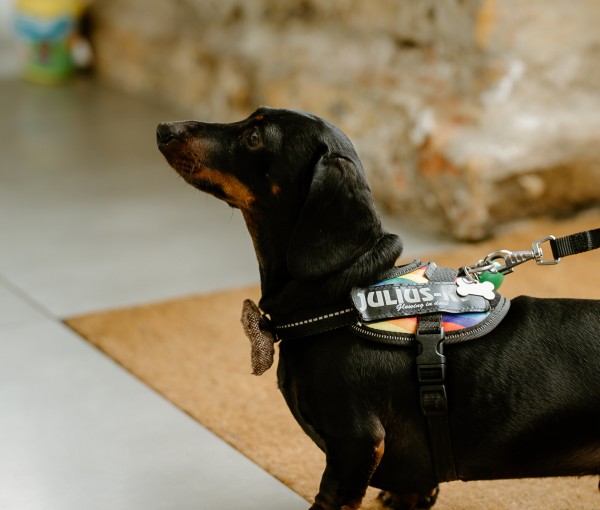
x=164 y=133
x=167 y=131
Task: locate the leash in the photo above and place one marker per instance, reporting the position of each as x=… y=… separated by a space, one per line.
x=502 y=262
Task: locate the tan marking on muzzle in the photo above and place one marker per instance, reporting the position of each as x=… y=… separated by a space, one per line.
x=186 y=157
x=234 y=189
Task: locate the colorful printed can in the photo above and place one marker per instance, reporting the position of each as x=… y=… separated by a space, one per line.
x=47 y=29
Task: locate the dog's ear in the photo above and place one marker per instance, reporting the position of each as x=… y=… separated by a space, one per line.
x=338 y=222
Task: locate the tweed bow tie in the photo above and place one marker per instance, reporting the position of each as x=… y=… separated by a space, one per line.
x=261 y=338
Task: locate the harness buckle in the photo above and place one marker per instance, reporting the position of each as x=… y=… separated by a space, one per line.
x=434 y=401
x=431 y=372
x=431 y=349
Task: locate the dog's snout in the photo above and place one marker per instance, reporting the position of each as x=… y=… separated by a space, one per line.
x=169 y=131
x=165 y=133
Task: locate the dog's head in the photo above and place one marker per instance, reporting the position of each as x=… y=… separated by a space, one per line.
x=296 y=178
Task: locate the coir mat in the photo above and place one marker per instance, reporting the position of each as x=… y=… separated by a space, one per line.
x=193 y=351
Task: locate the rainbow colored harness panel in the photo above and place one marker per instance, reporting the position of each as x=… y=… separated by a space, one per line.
x=412 y=283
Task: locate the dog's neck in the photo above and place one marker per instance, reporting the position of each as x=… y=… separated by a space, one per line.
x=283 y=296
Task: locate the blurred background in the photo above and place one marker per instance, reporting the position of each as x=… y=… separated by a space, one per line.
x=467 y=113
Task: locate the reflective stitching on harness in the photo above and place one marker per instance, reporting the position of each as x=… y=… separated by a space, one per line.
x=315 y=319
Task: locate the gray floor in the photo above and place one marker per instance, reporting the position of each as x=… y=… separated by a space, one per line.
x=92 y=218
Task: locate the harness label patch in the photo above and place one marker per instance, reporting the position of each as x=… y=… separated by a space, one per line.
x=404 y=300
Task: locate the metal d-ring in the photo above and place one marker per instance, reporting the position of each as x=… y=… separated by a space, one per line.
x=539 y=253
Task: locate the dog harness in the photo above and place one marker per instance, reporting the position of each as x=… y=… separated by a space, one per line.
x=419 y=305
x=430 y=306
x=389 y=311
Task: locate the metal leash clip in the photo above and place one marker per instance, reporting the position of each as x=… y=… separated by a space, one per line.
x=504 y=261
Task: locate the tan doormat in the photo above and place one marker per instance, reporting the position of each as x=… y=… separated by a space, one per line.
x=193 y=351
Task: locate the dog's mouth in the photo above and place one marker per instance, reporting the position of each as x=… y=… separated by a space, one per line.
x=200 y=178
x=208 y=180
x=174 y=145
x=189 y=170
x=187 y=166
x=187 y=156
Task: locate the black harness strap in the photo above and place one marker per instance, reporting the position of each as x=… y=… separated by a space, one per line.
x=334 y=318
x=575 y=243
x=431 y=370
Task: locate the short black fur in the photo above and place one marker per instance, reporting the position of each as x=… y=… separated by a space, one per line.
x=524 y=400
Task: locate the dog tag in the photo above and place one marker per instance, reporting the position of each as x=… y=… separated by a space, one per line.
x=467 y=287
x=494 y=277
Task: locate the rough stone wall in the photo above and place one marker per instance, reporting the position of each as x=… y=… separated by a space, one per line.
x=466 y=113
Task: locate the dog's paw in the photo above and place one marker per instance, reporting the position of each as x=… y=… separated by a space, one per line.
x=409 y=500
x=428 y=500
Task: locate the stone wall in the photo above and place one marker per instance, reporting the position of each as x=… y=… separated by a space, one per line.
x=466 y=113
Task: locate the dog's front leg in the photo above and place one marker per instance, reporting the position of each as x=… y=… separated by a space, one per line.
x=350 y=466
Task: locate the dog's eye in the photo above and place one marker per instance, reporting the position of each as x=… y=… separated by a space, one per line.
x=253 y=139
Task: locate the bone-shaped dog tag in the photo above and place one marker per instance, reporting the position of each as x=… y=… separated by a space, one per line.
x=467 y=287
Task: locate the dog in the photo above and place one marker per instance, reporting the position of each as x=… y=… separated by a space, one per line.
x=524 y=399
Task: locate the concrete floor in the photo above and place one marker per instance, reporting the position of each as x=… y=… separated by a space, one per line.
x=92 y=218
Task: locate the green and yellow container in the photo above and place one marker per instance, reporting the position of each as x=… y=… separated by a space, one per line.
x=47 y=29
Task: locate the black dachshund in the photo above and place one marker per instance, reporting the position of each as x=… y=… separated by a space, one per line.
x=524 y=400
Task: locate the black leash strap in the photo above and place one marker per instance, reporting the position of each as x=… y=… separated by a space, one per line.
x=504 y=261
x=431 y=370
x=575 y=243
